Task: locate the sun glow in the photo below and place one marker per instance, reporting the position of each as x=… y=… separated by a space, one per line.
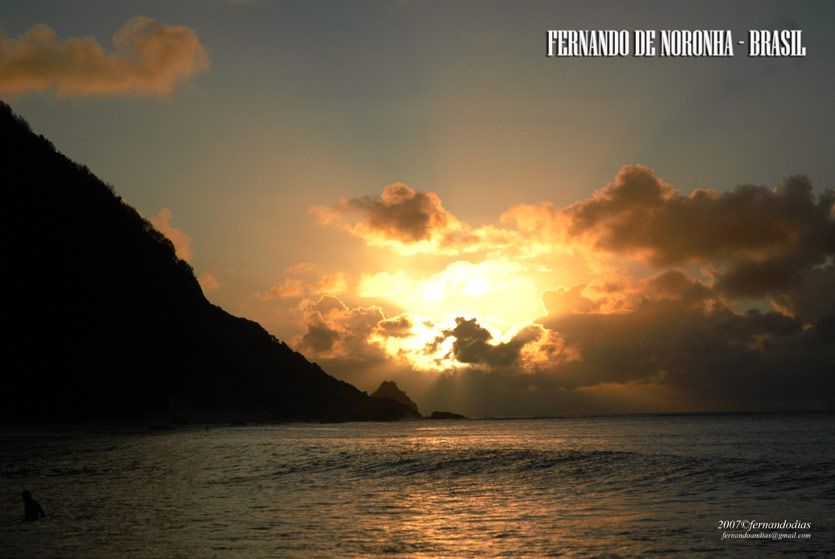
x=500 y=288
x=429 y=345
x=469 y=314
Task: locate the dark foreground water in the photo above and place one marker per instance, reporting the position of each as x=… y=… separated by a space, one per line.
x=633 y=486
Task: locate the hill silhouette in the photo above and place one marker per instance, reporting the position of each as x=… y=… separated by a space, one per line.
x=106 y=323
x=389 y=389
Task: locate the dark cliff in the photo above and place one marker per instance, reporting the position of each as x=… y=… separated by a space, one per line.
x=389 y=390
x=106 y=323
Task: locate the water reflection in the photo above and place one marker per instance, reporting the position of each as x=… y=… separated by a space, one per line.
x=628 y=487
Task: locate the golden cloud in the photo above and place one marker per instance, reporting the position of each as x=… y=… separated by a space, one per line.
x=646 y=291
x=306 y=279
x=150 y=58
x=181 y=241
x=208 y=282
x=409 y=222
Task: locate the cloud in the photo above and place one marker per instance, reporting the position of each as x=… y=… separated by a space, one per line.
x=617 y=294
x=409 y=222
x=181 y=241
x=306 y=279
x=401 y=214
x=668 y=354
x=766 y=239
x=397 y=327
x=653 y=299
x=712 y=357
x=567 y=300
x=364 y=335
x=471 y=344
x=150 y=58
x=678 y=349
x=334 y=330
x=208 y=282
x=811 y=298
x=358 y=344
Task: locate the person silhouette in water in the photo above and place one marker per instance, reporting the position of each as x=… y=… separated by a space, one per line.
x=31 y=509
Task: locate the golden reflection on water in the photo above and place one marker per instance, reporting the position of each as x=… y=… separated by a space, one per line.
x=568 y=488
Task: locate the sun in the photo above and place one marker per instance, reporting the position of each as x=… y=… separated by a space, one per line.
x=503 y=296
x=502 y=289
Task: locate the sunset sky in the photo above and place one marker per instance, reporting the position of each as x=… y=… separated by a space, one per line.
x=412 y=191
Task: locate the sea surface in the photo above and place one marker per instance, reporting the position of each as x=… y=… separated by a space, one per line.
x=624 y=486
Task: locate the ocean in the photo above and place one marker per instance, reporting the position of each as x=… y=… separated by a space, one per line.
x=616 y=487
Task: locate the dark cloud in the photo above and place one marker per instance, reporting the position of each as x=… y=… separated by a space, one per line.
x=781 y=272
x=660 y=358
x=321 y=330
x=343 y=340
x=710 y=356
x=681 y=348
x=471 y=344
x=318 y=338
x=677 y=346
x=409 y=221
x=401 y=213
x=811 y=298
x=765 y=239
x=397 y=327
x=619 y=294
x=332 y=329
x=622 y=208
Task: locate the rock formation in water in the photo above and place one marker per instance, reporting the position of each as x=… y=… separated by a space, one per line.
x=106 y=323
x=388 y=389
x=446 y=415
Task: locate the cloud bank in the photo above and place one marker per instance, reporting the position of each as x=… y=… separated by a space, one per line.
x=767 y=239
x=651 y=300
x=150 y=58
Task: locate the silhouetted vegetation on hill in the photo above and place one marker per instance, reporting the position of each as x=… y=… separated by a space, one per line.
x=106 y=323
x=389 y=390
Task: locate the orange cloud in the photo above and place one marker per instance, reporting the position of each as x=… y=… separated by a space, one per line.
x=208 y=282
x=629 y=322
x=400 y=217
x=334 y=330
x=402 y=213
x=181 y=241
x=150 y=58
x=410 y=222
x=359 y=337
x=306 y=279
x=616 y=294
